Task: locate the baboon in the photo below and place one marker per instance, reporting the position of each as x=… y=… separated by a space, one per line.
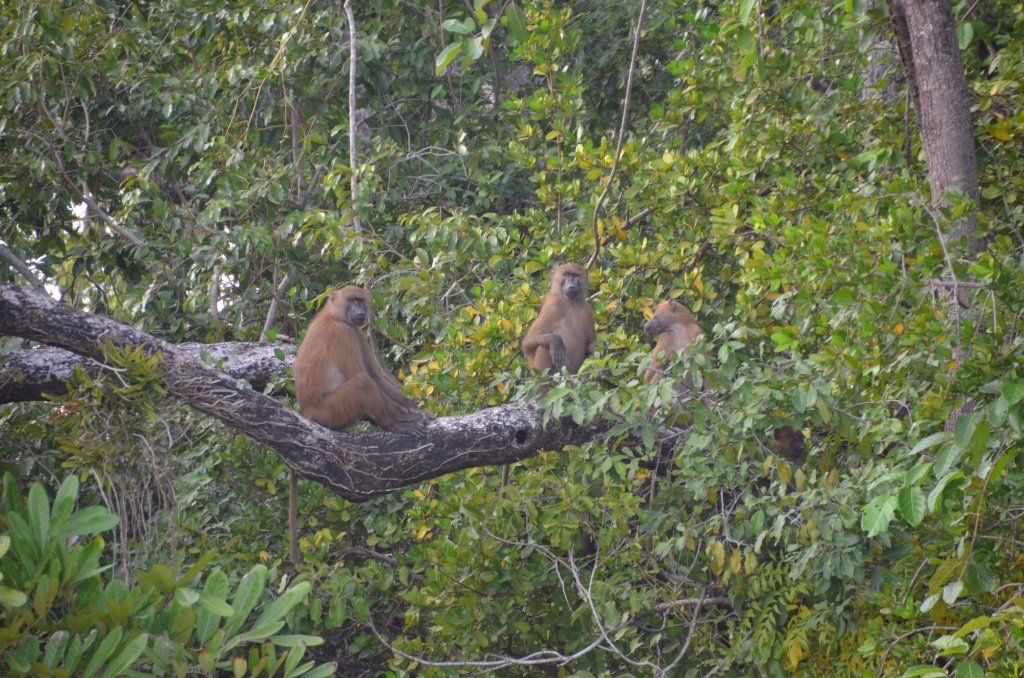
x=339 y=379
x=675 y=328
x=563 y=334
x=789 y=445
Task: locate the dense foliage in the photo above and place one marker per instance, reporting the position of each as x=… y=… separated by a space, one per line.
x=168 y=163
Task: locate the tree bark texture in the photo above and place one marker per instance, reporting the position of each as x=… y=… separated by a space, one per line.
x=28 y=375
x=358 y=466
x=926 y=35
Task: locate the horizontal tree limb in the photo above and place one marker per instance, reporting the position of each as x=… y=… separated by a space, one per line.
x=359 y=465
x=27 y=375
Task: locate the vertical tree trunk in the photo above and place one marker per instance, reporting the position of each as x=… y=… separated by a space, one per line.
x=926 y=34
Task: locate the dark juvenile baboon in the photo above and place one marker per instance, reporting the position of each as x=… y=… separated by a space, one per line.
x=563 y=334
x=789 y=445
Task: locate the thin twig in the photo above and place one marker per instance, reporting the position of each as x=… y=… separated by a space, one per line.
x=94 y=206
x=357 y=223
x=622 y=133
x=21 y=267
x=283 y=287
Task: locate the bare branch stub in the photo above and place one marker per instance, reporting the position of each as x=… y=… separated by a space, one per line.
x=358 y=466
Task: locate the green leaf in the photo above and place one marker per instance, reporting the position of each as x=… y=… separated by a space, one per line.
x=64 y=501
x=979 y=441
x=11 y=598
x=456 y=26
x=935 y=496
x=968 y=670
x=877 y=515
x=163 y=577
x=516 y=23
x=982 y=622
x=39 y=513
x=322 y=671
x=212 y=605
x=951 y=591
x=297 y=639
x=474 y=48
x=215 y=605
x=744 y=12
x=91 y=520
x=246 y=596
x=446 y=56
x=280 y=607
x=131 y=651
x=5 y=544
x=964 y=429
x=948 y=645
x=1013 y=391
x=964 y=34
x=912 y=505
x=931 y=441
x=924 y=671
x=105 y=649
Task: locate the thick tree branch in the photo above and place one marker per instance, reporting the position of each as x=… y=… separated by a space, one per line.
x=358 y=466
x=27 y=375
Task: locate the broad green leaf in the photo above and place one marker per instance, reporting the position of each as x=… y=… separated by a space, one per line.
x=297 y=639
x=744 y=12
x=163 y=576
x=930 y=441
x=964 y=429
x=129 y=653
x=516 y=23
x=877 y=515
x=948 y=645
x=456 y=26
x=975 y=624
x=246 y=597
x=935 y=496
x=912 y=505
x=280 y=607
x=924 y=671
x=964 y=34
x=968 y=670
x=11 y=598
x=951 y=591
x=186 y=595
x=446 y=56
x=474 y=48
x=322 y=671
x=215 y=605
x=104 y=650
x=39 y=513
x=212 y=605
x=91 y=520
x=1013 y=391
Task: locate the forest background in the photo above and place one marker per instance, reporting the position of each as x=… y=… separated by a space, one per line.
x=204 y=171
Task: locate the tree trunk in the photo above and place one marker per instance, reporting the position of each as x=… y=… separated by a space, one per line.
x=926 y=34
